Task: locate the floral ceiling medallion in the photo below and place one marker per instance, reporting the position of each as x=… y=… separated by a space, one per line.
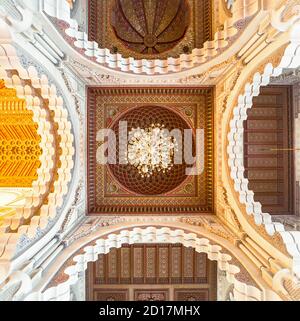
x=150 y=26
x=150 y=29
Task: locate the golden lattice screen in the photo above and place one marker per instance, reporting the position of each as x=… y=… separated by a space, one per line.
x=19 y=141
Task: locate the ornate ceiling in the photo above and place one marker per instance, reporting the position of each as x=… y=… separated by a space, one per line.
x=159 y=182
x=119 y=188
x=150 y=29
x=246 y=51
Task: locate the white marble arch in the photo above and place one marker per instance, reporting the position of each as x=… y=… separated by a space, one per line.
x=168 y=232
x=220 y=45
x=291 y=59
x=37 y=231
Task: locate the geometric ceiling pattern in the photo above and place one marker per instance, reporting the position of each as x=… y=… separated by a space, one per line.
x=159 y=182
x=118 y=188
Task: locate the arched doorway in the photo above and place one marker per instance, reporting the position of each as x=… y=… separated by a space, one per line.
x=65 y=280
x=152 y=272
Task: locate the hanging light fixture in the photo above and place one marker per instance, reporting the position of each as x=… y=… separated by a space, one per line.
x=151 y=150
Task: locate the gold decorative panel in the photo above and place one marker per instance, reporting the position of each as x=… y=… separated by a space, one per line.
x=19 y=141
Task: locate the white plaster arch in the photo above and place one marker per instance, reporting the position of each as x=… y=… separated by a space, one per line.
x=242 y=10
x=18 y=221
x=37 y=91
x=164 y=233
x=290 y=59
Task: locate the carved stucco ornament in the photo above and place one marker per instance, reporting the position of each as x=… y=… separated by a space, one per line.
x=212 y=225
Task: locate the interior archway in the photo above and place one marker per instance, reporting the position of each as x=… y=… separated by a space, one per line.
x=55 y=159
x=151 y=272
x=67 y=220
x=60 y=285
x=287 y=58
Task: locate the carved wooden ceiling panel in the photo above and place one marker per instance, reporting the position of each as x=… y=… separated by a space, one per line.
x=268 y=158
x=116 y=188
x=150 y=29
x=152 y=270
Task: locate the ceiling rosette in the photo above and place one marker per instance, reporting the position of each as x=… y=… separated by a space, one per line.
x=150 y=26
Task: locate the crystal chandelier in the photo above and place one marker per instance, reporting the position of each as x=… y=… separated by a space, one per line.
x=151 y=150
